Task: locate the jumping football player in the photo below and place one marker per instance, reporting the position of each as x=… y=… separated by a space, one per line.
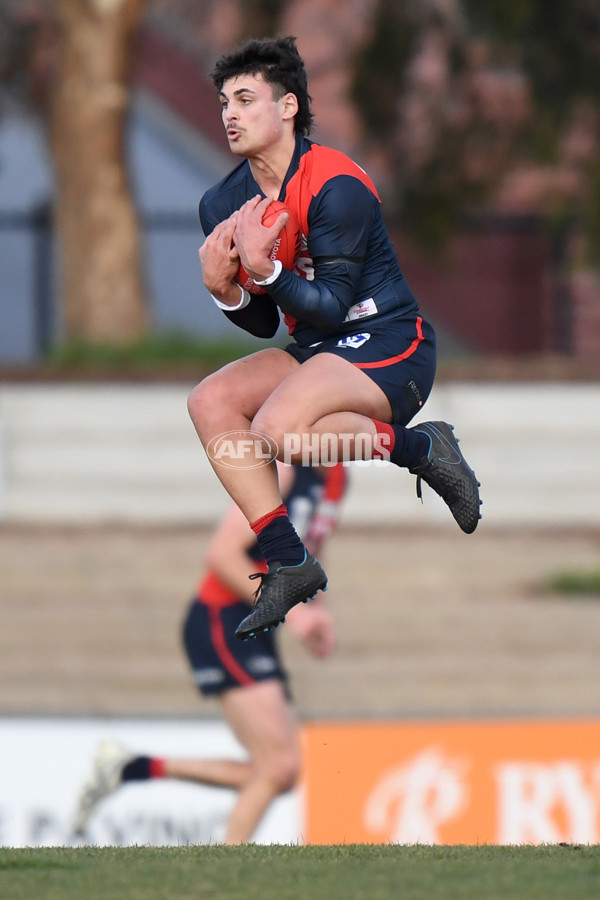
x=363 y=358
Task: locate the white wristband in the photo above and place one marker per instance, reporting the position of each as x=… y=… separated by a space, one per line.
x=275 y=275
x=243 y=302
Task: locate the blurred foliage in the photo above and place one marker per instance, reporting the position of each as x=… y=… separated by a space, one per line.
x=260 y=18
x=429 y=89
x=592 y=214
x=557 y=42
x=165 y=353
x=573 y=582
x=379 y=68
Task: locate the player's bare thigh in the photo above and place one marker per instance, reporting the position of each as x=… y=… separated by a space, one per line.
x=322 y=386
x=230 y=397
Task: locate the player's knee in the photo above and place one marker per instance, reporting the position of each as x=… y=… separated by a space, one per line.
x=195 y=402
x=207 y=401
x=266 y=423
x=284 y=770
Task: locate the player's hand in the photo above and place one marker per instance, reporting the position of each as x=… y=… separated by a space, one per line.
x=219 y=258
x=313 y=625
x=253 y=240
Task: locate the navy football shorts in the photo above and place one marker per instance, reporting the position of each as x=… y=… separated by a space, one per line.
x=399 y=355
x=220 y=661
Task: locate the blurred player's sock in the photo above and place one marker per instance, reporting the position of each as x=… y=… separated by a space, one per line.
x=143 y=767
x=277 y=538
x=402 y=446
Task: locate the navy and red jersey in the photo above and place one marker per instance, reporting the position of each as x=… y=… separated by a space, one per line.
x=313 y=503
x=347 y=270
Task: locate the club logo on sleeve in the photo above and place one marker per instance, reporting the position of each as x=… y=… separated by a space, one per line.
x=354 y=341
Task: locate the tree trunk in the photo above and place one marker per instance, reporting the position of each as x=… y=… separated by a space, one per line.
x=103 y=286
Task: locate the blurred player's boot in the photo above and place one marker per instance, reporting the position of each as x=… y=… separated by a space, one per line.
x=446 y=471
x=281 y=588
x=104 y=778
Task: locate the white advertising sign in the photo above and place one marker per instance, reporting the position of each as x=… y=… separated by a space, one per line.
x=44 y=763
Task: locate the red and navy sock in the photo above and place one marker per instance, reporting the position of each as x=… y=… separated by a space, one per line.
x=277 y=538
x=142 y=768
x=402 y=446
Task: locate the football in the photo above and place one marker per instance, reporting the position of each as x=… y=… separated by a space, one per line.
x=285 y=248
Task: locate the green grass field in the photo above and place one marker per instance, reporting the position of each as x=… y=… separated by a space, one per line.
x=372 y=872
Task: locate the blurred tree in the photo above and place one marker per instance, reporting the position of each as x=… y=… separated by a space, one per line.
x=73 y=59
x=557 y=47
x=102 y=273
x=486 y=105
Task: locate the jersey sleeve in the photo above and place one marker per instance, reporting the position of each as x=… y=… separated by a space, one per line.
x=340 y=218
x=260 y=317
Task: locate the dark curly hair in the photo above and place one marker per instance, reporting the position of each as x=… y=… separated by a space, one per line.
x=279 y=63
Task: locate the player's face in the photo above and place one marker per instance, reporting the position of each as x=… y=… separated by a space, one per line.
x=253 y=119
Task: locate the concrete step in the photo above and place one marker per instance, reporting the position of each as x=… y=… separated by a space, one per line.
x=100 y=453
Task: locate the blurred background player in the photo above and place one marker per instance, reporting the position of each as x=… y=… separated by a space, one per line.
x=247 y=677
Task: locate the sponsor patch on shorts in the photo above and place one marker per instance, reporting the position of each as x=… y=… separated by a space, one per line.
x=354 y=341
x=208 y=676
x=261 y=665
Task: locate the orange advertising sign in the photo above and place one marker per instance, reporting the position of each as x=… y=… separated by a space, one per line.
x=471 y=782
